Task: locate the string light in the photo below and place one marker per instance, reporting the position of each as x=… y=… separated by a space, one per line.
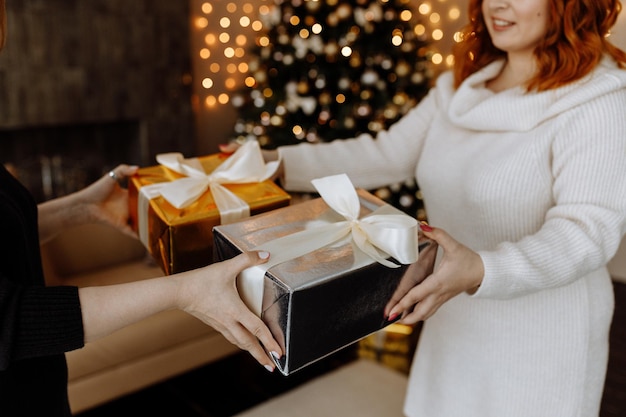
x=229 y=28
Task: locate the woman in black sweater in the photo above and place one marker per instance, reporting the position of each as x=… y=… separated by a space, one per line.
x=38 y=323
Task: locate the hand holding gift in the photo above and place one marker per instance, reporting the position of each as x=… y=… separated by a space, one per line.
x=214 y=300
x=461 y=269
x=336 y=261
x=103 y=202
x=209 y=293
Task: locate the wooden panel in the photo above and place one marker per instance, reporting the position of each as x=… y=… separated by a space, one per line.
x=72 y=61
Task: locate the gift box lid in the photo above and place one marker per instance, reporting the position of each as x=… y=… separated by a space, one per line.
x=315 y=267
x=257 y=195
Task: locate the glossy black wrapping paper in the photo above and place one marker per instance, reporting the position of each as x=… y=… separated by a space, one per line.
x=319 y=303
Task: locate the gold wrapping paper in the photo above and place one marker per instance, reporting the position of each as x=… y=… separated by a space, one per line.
x=182 y=239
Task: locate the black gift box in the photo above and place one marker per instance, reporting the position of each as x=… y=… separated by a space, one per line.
x=319 y=303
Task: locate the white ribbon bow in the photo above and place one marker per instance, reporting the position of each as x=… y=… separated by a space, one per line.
x=378 y=235
x=244 y=166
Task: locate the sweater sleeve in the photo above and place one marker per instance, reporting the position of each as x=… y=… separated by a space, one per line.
x=35 y=320
x=583 y=229
x=38 y=321
x=370 y=162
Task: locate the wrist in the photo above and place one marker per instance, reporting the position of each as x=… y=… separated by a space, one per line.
x=182 y=291
x=478 y=274
x=76 y=208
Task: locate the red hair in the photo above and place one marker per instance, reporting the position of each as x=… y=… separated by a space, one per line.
x=575 y=43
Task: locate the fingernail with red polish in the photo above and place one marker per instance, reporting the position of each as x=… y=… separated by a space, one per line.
x=392 y=317
x=225 y=147
x=425 y=227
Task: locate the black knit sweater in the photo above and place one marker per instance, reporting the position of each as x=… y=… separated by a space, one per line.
x=37 y=323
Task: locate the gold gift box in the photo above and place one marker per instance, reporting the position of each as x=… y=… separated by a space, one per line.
x=182 y=239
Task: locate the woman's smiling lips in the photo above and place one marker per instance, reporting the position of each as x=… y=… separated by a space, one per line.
x=500 y=24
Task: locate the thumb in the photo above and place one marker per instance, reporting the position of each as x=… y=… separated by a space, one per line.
x=443 y=239
x=228 y=148
x=128 y=170
x=247 y=259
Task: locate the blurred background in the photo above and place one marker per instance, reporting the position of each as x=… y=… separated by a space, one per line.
x=86 y=85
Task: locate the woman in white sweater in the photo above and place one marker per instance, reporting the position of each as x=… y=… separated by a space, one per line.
x=520 y=154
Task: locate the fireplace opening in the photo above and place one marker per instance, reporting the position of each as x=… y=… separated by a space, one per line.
x=52 y=161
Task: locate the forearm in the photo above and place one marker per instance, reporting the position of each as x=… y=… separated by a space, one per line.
x=110 y=308
x=58 y=214
x=208 y=293
x=104 y=201
x=369 y=162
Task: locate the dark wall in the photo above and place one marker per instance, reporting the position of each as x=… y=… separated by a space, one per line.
x=93 y=62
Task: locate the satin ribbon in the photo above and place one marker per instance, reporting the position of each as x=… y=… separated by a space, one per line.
x=384 y=233
x=246 y=165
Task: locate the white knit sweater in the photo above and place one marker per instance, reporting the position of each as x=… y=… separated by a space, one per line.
x=536 y=184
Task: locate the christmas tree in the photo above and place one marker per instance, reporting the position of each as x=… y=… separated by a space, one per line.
x=328 y=69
